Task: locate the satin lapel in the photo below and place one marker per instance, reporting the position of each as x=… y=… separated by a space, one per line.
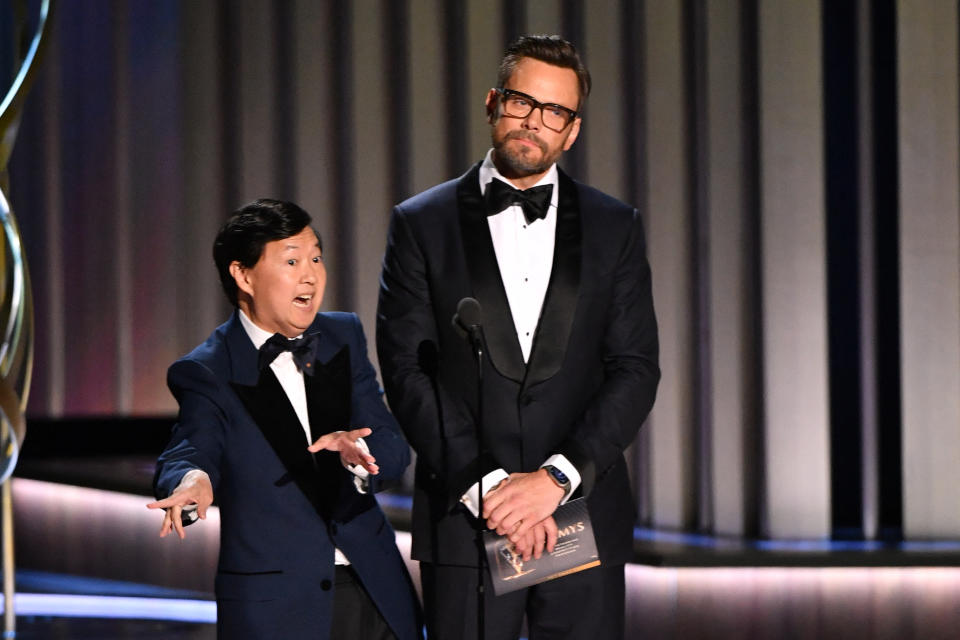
x=560 y=302
x=268 y=405
x=500 y=334
x=329 y=404
x=329 y=394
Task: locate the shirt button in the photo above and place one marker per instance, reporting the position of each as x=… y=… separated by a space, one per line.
x=526 y=399
x=325 y=585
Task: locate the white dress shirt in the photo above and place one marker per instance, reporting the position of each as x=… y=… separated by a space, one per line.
x=524 y=254
x=525 y=257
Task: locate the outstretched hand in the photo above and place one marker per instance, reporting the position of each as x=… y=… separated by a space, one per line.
x=196 y=490
x=345 y=443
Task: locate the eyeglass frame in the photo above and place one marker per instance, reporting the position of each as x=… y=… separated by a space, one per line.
x=536 y=104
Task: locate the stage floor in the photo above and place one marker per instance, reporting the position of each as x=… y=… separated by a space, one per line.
x=51 y=605
x=80 y=511
x=48 y=628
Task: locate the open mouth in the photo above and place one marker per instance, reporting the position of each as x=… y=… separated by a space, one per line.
x=303 y=301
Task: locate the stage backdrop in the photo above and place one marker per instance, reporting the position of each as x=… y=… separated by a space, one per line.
x=795 y=163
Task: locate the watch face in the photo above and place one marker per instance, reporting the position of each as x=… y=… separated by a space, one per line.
x=559 y=475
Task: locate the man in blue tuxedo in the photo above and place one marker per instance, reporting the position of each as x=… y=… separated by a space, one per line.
x=570 y=369
x=305 y=551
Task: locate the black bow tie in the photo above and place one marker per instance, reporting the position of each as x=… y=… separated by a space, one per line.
x=303 y=349
x=535 y=200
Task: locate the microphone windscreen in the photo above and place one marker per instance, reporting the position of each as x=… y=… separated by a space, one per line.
x=468 y=312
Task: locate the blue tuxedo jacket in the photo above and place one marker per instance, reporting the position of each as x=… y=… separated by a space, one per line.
x=588 y=385
x=283 y=510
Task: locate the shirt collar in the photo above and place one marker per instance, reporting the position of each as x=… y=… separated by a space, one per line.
x=257 y=335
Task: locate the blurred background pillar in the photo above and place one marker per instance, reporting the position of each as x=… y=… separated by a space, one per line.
x=793 y=262
x=929 y=239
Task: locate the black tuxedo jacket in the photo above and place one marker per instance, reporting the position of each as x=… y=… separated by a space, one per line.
x=590 y=381
x=283 y=510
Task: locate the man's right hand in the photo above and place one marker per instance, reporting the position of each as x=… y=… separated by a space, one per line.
x=195 y=488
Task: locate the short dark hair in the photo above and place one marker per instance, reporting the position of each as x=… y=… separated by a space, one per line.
x=248 y=229
x=550 y=49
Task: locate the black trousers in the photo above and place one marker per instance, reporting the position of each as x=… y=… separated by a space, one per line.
x=588 y=605
x=354 y=614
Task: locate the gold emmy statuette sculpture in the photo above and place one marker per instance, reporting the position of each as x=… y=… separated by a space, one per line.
x=16 y=303
x=509 y=553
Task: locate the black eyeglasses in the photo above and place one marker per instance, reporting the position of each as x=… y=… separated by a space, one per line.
x=520 y=105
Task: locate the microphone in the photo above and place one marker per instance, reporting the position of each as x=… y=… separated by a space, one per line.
x=467 y=318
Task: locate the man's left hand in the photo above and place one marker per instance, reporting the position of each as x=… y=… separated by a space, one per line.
x=542 y=536
x=520 y=502
x=345 y=443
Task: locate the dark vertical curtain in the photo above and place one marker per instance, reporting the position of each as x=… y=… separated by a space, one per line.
x=152 y=120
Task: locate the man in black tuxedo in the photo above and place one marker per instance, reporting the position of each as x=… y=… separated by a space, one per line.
x=570 y=369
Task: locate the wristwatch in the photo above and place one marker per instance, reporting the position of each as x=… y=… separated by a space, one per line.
x=559 y=477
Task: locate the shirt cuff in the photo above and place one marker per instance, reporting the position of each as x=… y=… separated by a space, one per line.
x=356 y=469
x=560 y=462
x=190 y=477
x=471 y=499
x=360 y=474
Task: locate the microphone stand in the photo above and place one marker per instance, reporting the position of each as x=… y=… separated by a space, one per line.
x=467 y=322
x=477 y=344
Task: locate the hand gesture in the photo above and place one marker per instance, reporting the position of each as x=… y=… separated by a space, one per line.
x=345 y=443
x=195 y=489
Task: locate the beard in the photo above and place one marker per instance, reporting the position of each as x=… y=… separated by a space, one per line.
x=520 y=162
